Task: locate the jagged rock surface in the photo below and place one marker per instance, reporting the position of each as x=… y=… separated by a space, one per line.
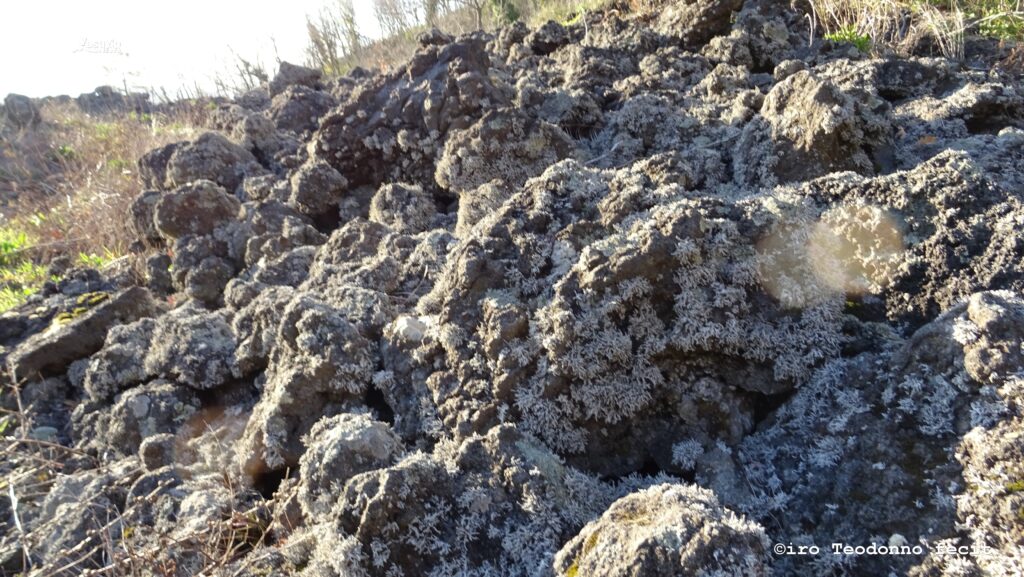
x=637 y=295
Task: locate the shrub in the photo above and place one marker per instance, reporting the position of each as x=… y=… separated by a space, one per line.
x=19 y=276
x=849 y=34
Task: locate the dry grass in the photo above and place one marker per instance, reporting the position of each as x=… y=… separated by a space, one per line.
x=335 y=53
x=900 y=26
x=69 y=183
x=97 y=167
x=561 y=11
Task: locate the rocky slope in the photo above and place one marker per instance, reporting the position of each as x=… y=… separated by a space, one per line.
x=644 y=295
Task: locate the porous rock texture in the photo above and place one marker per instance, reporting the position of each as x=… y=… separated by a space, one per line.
x=649 y=294
x=667 y=530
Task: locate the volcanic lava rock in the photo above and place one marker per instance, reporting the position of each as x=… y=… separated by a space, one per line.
x=193 y=209
x=667 y=530
x=210 y=157
x=81 y=332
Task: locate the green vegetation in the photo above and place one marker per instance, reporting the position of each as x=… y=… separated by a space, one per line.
x=20 y=277
x=5 y=423
x=1015 y=487
x=900 y=26
x=504 y=11
x=849 y=35
x=565 y=13
x=65 y=152
x=80 y=177
x=23 y=267
x=1000 y=19
x=93 y=260
x=145 y=117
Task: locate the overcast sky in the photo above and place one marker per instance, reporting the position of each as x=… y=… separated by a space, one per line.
x=71 y=47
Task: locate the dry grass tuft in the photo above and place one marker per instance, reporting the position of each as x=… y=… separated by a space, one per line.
x=901 y=26
x=68 y=184
x=96 y=159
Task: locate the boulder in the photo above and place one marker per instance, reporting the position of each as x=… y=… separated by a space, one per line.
x=340 y=448
x=193 y=209
x=79 y=333
x=317 y=188
x=20 y=112
x=664 y=531
x=299 y=108
x=193 y=347
x=153 y=165
x=504 y=144
x=142 y=211
x=405 y=208
x=210 y=157
x=322 y=367
x=289 y=74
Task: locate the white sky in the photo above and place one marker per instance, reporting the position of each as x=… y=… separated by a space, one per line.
x=69 y=47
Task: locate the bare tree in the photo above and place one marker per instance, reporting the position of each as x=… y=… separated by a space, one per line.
x=431 y=10
x=477 y=6
x=396 y=16
x=333 y=38
x=349 y=29
x=504 y=11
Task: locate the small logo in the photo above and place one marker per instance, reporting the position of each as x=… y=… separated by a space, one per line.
x=101 y=47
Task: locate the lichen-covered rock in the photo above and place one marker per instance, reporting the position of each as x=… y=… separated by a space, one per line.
x=694 y=23
x=117 y=365
x=289 y=74
x=496 y=504
x=288 y=269
x=505 y=145
x=405 y=208
x=317 y=188
x=206 y=281
x=211 y=157
x=193 y=209
x=478 y=203
x=523 y=276
x=191 y=251
x=920 y=393
x=258 y=134
x=663 y=531
x=80 y=332
x=993 y=462
x=152 y=409
x=393 y=127
x=158 y=451
x=73 y=520
x=358 y=254
x=340 y=448
x=635 y=321
x=256 y=327
x=548 y=38
x=269 y=229
x=299 y=108
x=320 y=366
x=809 y=127
x=907 y=249
x=193 y=347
